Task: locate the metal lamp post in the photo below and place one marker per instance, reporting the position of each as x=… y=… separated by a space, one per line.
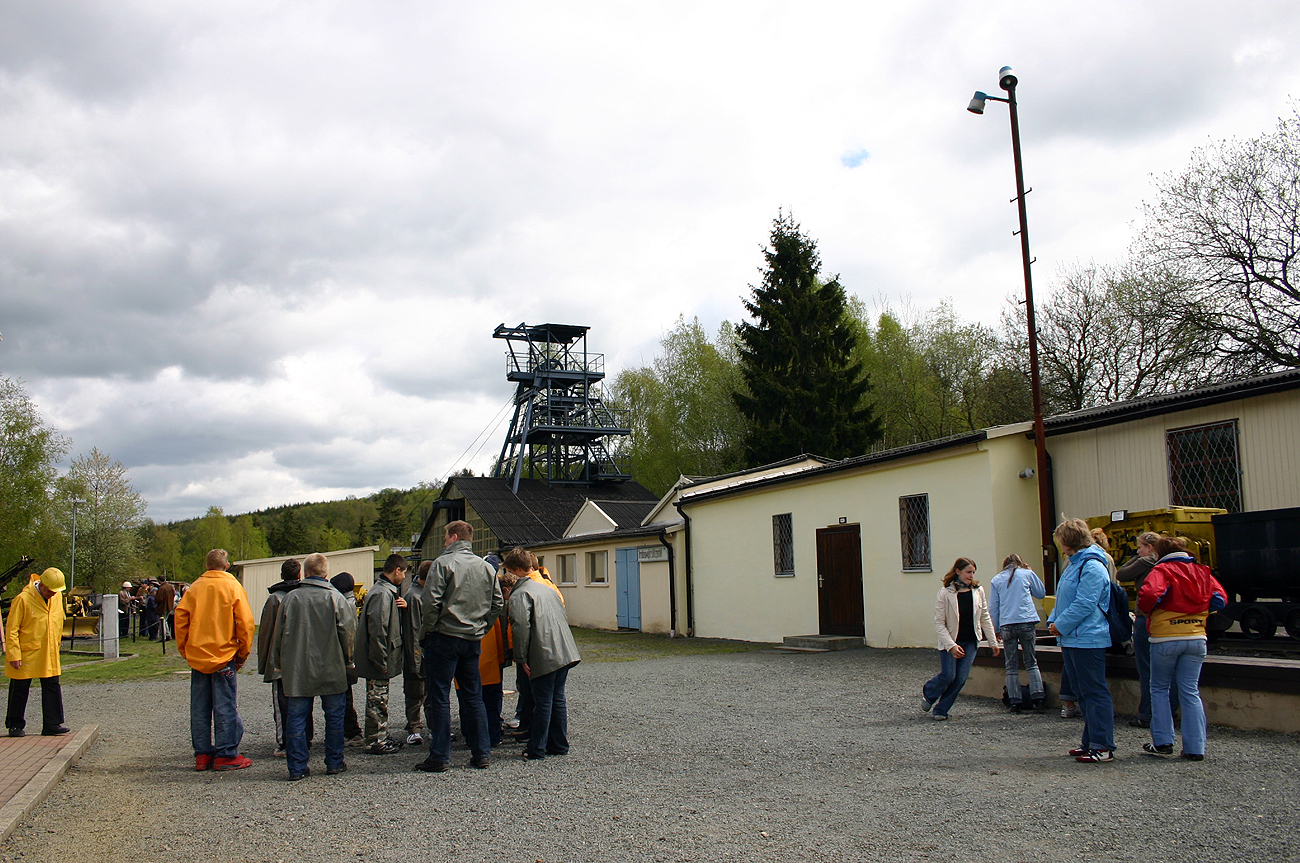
x=1007 y=81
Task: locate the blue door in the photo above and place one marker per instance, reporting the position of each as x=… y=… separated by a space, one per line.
x=627 y=581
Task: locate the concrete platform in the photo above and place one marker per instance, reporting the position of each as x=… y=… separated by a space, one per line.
x=31 y=766
x=823 y=642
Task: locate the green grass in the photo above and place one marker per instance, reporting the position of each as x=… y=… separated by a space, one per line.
x=601 y=645
x=149 y=663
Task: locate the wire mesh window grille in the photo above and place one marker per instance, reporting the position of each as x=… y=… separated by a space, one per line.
x=783 y=544
x=1204 y=468
x=914 y=521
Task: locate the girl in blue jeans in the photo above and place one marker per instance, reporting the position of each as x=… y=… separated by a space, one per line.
x=961 y=620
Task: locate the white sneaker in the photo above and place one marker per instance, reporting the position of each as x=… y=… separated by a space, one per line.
x=414 y=739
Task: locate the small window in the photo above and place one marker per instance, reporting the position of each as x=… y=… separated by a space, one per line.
x=566 y=568
x=598 y=567
x=783 y=545
x=914 y=519
x=1204 y=468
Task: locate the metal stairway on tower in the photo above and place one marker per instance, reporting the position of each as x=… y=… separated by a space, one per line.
x=561 y=427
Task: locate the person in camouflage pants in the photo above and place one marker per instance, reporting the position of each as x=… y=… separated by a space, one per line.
x=379 y=655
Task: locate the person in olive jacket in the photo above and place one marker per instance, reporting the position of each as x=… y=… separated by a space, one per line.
x=544 y=644
x=312 y=649
x=412 y=591
x=379 y=654
x=290 y=578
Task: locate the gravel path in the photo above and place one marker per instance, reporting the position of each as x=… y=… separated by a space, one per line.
x=751 y=756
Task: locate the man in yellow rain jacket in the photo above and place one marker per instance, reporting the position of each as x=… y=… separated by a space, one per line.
x=214 y=632
x=32 y=643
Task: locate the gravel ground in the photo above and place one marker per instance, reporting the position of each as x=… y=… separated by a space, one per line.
x=750 y=756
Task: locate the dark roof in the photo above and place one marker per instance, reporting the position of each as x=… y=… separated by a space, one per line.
x=625 y=513
x=622 y=533
x=1149 y=406
x=837 y=466
x=539 y=512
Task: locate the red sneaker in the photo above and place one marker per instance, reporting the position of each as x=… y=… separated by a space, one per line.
x=202 y=762
x=239 y=762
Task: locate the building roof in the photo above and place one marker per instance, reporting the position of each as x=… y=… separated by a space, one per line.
x=539 y=512
x=888 y=455
x=625 y=513
x=1148 y=406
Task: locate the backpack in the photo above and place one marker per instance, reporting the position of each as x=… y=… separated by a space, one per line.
x=1119 y=619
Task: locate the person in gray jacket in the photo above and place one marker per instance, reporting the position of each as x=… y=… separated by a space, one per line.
x=312 y=649
x=379 y=651
x=290 y=577
x=412 y=656
x=462 y=598
x=544 y=644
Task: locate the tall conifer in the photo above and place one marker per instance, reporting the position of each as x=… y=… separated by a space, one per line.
x=804 y=392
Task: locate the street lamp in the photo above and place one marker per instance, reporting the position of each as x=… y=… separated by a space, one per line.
x=1007 y=81
x=72 y=573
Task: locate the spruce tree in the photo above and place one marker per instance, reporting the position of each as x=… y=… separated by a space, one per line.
x=804 y=391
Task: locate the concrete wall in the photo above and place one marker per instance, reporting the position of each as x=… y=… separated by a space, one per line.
x=1125 y=466
x=979 y=508
x=258 y=575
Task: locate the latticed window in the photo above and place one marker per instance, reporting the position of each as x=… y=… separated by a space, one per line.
x=914 y=520
x=783 y=544
x=1204 y=469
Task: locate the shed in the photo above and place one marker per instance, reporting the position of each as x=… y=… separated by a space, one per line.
x=258 y=575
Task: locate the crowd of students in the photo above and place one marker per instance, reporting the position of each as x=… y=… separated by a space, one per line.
x=458 y=622
x=1175 y=595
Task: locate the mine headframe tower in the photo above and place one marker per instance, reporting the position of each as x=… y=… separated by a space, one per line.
x=562 y=429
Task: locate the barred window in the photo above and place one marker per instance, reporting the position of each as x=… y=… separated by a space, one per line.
x=1204 y=468
x=783 y=545
x=914 y=521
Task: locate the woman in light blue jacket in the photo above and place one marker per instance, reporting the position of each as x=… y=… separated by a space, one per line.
x=1079 y=622
x=1011 y=605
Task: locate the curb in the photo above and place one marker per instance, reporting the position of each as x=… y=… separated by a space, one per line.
x=40 y=785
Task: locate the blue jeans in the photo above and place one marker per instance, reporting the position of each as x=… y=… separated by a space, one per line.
x=1142 y=659
x=214 y=713
x=295 y=731
x=945 y=686
x=1178 y=663
x=1022 y=635
x=548 y=733
x=1087 y=669
x=448 y=658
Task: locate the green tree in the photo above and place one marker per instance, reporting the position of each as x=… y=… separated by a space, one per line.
x=289 y=535
x=211 y=531
x=1229 y=226
x=108 y=541
x=247 y=540
x=330 y=538
x=29 y=451
x=162 y=552
x=680 y=409
x=390 y=524
x=803 y=390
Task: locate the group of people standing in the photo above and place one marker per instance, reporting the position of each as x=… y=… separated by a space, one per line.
x=431 y=630
x=1175 y=596
x=153 y=600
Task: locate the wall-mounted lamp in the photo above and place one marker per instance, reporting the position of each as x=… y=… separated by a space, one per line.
x=1027 y=473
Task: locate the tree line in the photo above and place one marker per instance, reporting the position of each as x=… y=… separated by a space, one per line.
x=1206 y=294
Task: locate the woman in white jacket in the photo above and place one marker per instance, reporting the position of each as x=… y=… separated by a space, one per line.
x=961 y=620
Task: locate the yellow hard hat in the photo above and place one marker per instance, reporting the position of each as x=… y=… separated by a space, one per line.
x=53 y=579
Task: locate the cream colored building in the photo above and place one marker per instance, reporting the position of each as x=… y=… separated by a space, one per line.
x=634 y=577
x=258 y=575
x=858 y=547
x=1234 y=445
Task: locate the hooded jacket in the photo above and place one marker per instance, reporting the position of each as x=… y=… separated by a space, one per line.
x=1082 y=599
x=542 y=638
x=214 y=623
x=378 y=653
x=32 y=635
x=266 y=629
x=1177 y=596
x=313 y=640
x=413 y=592
x=461 y=595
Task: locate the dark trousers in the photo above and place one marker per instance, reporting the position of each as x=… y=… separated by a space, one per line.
x=524 y=707
x=351 y=726
x=448 y=658
x=493 y=695
x=549 y=732
x=280 y=711
x=51 y=703
x=413 y=693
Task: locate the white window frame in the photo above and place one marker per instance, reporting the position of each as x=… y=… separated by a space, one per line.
x=603 y=580
x=566 y=566
x=906 y=537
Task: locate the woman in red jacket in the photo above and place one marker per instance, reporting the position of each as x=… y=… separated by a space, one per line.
x=1176 y=597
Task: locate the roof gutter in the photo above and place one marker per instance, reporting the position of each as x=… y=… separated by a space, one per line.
x=690 y=583
x=672 y=583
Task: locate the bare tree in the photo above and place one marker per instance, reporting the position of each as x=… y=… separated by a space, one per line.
x=1229 y=225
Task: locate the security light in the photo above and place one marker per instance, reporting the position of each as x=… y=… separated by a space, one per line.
x=976 y=105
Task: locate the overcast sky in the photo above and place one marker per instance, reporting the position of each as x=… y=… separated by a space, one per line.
x=256 y=250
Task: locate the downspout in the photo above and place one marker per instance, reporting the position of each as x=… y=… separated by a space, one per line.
x=672 y=584
x=690 y=583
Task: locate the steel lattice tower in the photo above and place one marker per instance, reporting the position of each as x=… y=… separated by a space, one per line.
x=561 y=426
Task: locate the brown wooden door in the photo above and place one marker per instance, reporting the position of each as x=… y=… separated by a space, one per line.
x=839 y=580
